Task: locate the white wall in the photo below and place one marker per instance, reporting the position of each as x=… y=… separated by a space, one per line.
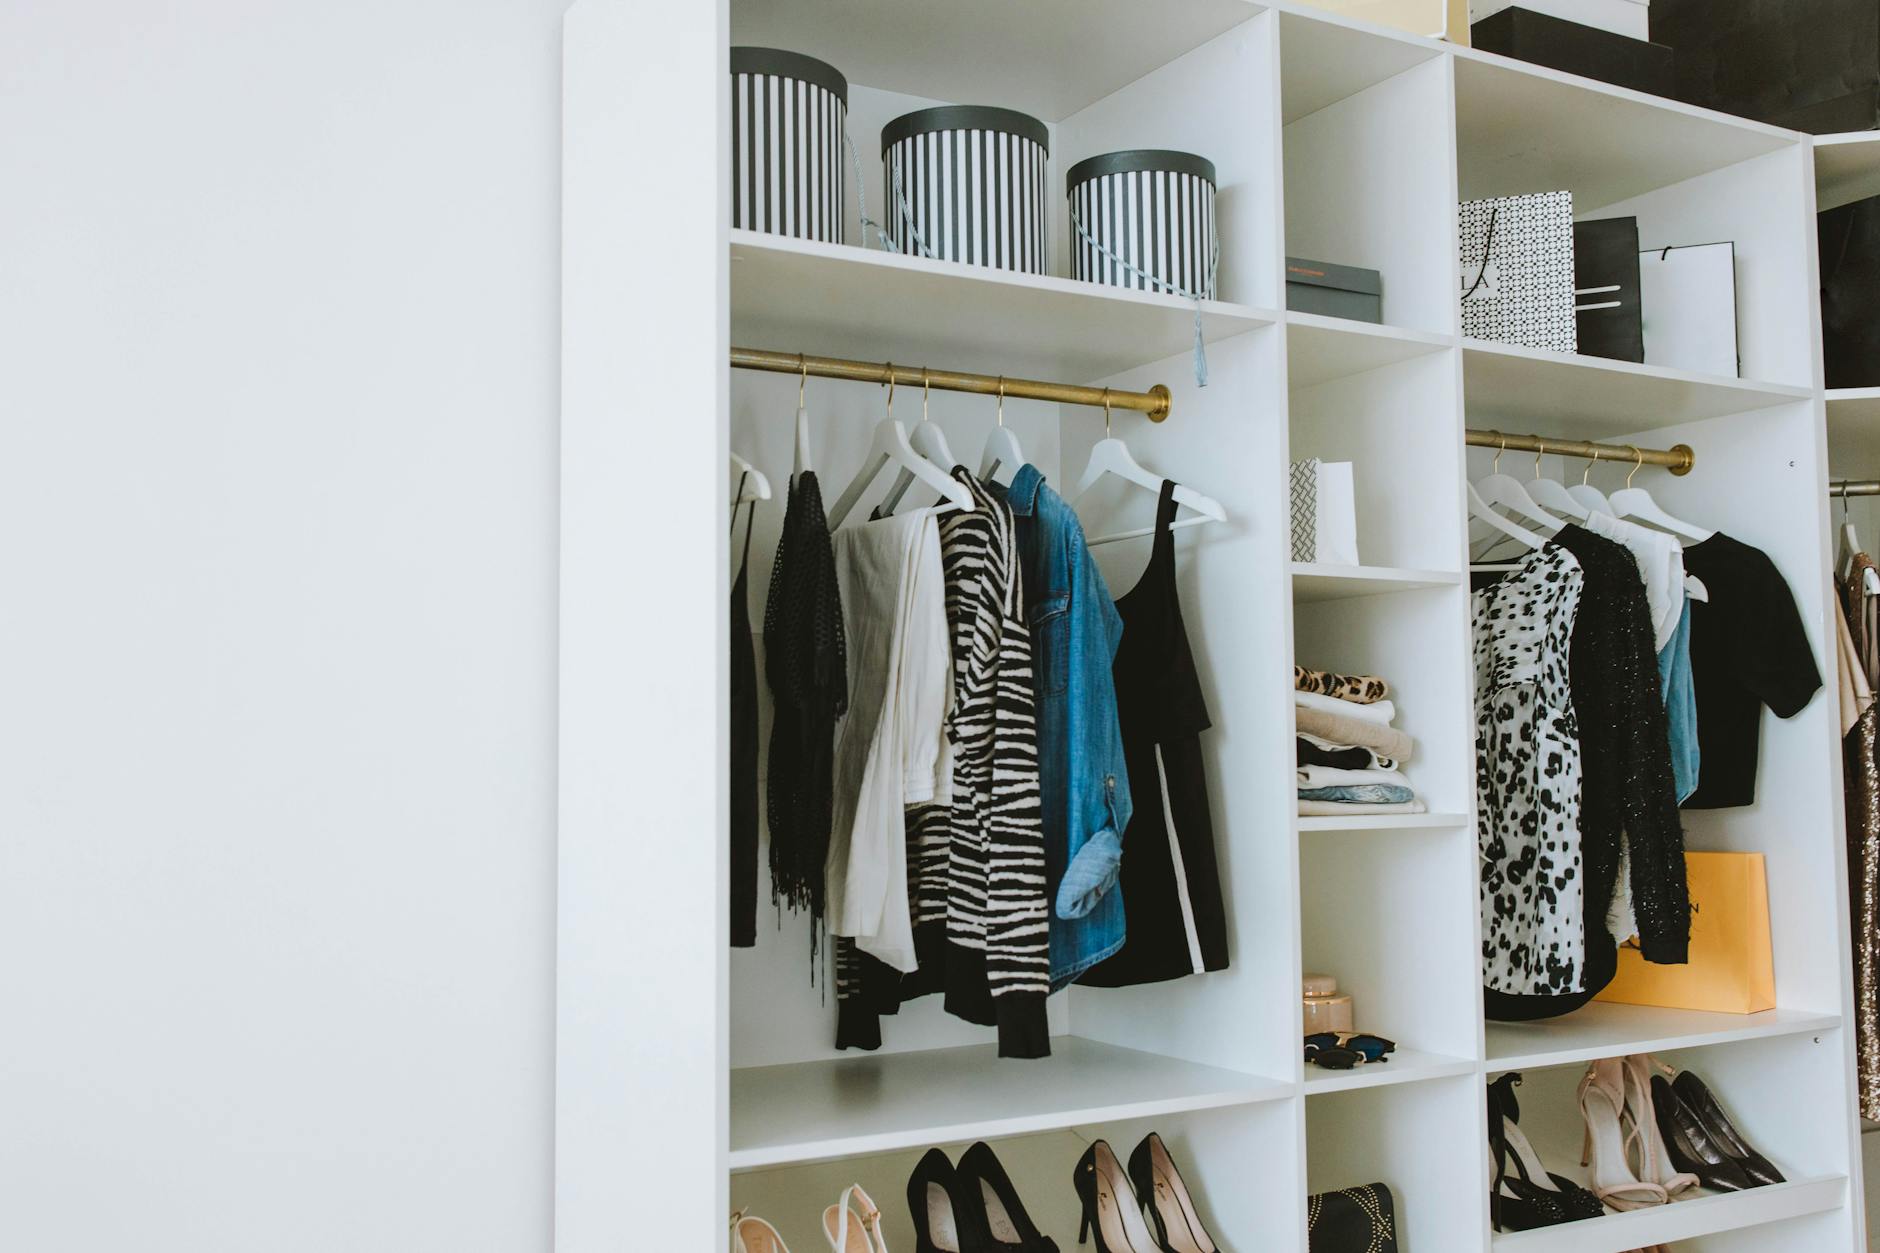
x=278 y=336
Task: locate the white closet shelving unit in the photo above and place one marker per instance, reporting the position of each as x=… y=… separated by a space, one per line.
x=691 y=1081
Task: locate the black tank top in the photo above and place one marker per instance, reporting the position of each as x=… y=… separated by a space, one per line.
x=1170 y=878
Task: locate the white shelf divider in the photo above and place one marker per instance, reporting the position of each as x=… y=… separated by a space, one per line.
x=838 y=300
x=874 y=1103
x=1404 y=1066
x=1380 y=822
x=1608 y=1030
x=1313 y=581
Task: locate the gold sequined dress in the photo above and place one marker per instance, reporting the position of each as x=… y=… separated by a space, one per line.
x=1860 y=746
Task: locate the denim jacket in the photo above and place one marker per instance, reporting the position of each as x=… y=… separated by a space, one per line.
x=1085 y=789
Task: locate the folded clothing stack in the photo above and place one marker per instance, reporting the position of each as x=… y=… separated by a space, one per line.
x=1349 y=756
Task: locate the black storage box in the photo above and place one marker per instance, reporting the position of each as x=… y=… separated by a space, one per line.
x=1850 y=293
x=1810 y=65
x=1607 y=315
x=1337 y=291
x=1542 y=39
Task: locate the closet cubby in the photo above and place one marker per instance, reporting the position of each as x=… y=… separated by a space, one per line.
x=1211 y=1148
x=1332 y=139
x=1763 y=1085
x=1415 y=640
x=1340 y=152
x=1366 y=895
x=1422 y=1140
x=1687 y=175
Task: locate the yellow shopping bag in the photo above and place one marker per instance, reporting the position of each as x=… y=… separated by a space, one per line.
x=1732 y=967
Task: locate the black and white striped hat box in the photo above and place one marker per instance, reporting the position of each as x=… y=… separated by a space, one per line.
x=971 y=183
x=1150 y=208
x=787 y=116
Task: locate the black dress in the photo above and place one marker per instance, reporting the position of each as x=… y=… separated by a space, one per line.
x=1170 y=878
x=743 y=747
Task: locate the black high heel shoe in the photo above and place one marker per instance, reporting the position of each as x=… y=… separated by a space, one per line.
x=947 y=1217
x=981 y=1177
x=1692 y=1146
x=1523 y=1201
x=1166 y=1197
x=1698 y=1099
x=1111 y=1208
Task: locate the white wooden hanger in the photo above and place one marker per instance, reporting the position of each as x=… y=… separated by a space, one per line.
x=1112 y=456
x=1550 y=494
x=1506 y=490
x=1001 y=446
x=929 y=441
x=1479 y=508
x=1850 y=545
x=749 y=482
x=802 y=462
x=1637 y=505
x=890 y=444
x=1586 y=494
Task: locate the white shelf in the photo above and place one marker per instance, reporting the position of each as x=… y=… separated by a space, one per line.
x=1380 y=822
x=794 y=295
x=1522 y=128
x=1688 y=1219
x=1550 y=393
x=1319 y=349
x=1606 y=1030
x=1404 y=1066
x=1312 y=581
x=1048 y=58
x=1847 y=168
x=873 y=1103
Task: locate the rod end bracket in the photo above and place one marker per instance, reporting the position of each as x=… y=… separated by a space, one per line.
x=1687 y=459
x=1163 y=400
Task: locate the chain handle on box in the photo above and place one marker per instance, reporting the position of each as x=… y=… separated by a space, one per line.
x=1214 y=265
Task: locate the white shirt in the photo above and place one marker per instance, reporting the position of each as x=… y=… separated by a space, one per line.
x=1660 y=560
x=890 y=748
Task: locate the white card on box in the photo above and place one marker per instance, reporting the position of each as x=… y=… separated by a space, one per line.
x=1687 y=300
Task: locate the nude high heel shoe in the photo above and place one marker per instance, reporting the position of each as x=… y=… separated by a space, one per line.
x=1602 y=1109
x=754 y=1235
x=853 y=1223
x=1641 y=1122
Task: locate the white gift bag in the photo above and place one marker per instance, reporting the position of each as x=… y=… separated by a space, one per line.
x=1687 y=299
x=1324 y=513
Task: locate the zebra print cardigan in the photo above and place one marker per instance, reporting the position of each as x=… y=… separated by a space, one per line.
x=976 y=866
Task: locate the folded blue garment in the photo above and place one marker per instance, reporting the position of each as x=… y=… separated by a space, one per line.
x=1360 y=793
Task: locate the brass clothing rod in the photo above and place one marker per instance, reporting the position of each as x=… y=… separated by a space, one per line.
x=1678 y=459
x=1854 y=487
x=1154 y=402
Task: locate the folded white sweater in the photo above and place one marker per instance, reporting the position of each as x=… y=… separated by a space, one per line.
x=1382 y=711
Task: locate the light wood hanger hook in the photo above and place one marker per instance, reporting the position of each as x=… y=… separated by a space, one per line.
x=1002 y=400
x=1589 y=468
x=1636 y=464
x=1106 y=413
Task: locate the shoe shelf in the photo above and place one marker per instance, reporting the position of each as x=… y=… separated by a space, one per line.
x=1606 y=1030
x=852 y=1106
x=1404 y=1066
x=1710 y=1213
x=840 y=301
x=1312 y=581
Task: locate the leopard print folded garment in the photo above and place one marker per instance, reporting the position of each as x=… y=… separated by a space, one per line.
x=1359 y=689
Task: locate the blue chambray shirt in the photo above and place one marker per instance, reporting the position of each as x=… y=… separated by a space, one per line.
x=1083 y=783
